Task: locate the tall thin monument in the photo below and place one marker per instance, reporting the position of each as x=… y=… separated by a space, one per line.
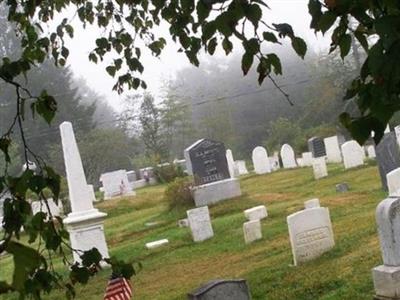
x=84 y=223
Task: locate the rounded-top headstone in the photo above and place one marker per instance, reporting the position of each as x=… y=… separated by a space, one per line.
x=388 y=221
x=261 y=161
x=288 y=157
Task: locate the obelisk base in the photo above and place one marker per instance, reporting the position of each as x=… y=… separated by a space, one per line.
x=86 y=231
x=386 y=282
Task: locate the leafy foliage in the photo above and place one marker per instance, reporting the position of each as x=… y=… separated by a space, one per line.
x=376 y=25
x=178 y=193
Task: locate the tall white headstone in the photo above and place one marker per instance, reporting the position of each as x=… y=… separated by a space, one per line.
x=261 y=161
x=84 y=223
x=319 y=168
x=393 y=182
x=353 y=154
x=332 y=148
x=200 y=223
x=310 y=233
x=288 y=157
x=233 y=171
x=371 y=151
x=386 y=277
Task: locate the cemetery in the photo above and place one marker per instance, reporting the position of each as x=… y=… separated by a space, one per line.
x=200 y=150
x=270 y=234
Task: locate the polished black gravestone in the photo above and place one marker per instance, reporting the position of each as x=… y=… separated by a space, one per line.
x=317 y=147
x=234 y=289
x=387 y=156
x=206 y=160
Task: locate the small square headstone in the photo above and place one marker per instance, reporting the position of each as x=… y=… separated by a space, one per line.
x=252 y=231
x=200 y=223
x=310 y=233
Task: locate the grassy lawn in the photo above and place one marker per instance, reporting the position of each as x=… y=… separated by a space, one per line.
x=172 y=271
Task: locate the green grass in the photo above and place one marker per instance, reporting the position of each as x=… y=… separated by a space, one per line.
x=172 y=271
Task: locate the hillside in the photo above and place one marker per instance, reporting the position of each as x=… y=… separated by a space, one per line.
x=170 y=272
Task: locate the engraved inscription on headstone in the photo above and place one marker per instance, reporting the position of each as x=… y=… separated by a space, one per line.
x=387 y=156
x=207 y=161
x=317 y=147
x=310 y=232
x=200 y=223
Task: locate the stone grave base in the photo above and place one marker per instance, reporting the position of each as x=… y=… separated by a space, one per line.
x=214 y=192
x=386 y=282
x=129 y=194
x=86 y=231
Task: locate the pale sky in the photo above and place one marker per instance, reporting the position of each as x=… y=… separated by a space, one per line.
x=158 y=70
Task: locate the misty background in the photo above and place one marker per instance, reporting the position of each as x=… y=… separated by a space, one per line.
x=183 y=103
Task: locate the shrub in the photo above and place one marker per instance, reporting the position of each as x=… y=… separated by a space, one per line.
x=168 y=172
x=178 y=193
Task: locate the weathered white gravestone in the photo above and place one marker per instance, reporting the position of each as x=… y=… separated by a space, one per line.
x=116 y=183
x=319 y=168
x=206 y=161
x=307 y=159
x=84 y=223
x=288 y=157
x=333 y=153
x=311 y=203
x=261 y=161
x=241 y=167
x=311 y=234
x=252 y=231
x=386 y=277
x=256 y=213
x=51 y=207
x=371 y=151
x=233 y=170
x=231 y=289
x=393 y=182
x=200 y=223
x=353 y=154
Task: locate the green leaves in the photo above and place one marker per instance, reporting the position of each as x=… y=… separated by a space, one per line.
x=299 y=46
x=253 y=13
x=247 y=61
x=45 y=106
x=26 y=261
x=345 y=44
x=270 y=37
x=326 y=21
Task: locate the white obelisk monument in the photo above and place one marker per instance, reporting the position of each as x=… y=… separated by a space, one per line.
x=84 y=223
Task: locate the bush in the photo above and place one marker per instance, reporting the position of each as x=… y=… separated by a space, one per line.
x=178 y=193
x=168 y=172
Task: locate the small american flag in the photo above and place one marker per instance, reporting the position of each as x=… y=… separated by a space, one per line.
x=118 y=288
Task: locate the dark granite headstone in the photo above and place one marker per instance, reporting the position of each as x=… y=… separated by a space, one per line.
x=387 y=156
x=317 y=147
x=208 y=161
x=235 y=289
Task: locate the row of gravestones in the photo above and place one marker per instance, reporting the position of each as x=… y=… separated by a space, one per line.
x=310 y=234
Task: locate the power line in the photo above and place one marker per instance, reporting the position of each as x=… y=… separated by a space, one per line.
x=217 y=99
